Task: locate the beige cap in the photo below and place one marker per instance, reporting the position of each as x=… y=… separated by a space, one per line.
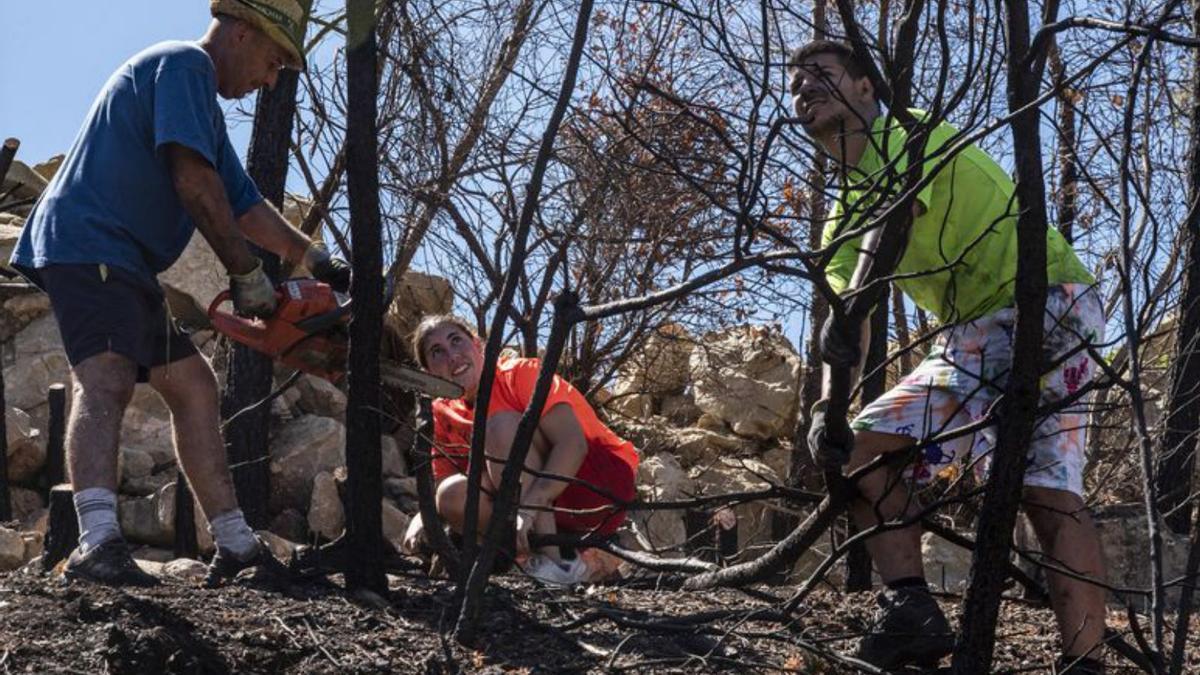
x=283 y=21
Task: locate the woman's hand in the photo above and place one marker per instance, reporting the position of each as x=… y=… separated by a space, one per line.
x=527 y=514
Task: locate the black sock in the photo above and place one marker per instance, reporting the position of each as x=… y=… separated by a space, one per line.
x=907 y=582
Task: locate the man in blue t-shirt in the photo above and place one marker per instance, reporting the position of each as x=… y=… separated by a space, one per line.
x=152 y=163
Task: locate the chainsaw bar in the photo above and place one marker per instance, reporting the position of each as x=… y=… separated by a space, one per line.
x=417 y=381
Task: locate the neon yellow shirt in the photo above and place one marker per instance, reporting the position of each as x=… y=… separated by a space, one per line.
x=964 y=245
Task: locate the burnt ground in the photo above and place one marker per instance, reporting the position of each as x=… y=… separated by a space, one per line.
x=49 y=626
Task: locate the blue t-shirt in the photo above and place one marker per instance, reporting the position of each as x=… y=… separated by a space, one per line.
x=112 y=201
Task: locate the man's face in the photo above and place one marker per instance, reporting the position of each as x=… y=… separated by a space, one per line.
x=255 y=61
x=826 y=98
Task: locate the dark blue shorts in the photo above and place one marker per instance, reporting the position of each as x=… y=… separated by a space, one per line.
x=107 y=309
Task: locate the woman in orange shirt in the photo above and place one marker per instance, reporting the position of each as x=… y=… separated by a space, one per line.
x=570 y=441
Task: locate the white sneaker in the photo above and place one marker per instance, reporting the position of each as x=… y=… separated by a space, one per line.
x=555 y=573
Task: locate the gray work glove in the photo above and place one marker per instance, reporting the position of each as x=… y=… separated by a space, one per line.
x=326 y=268
x=253 y=293
x=839 y=344
x=830 y=440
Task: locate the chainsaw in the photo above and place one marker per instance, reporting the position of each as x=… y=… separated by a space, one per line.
x=309 y=332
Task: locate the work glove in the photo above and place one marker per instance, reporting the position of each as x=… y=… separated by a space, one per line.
x=830 y=440
x=839 y=345
x=253 y=294
x=326 y=268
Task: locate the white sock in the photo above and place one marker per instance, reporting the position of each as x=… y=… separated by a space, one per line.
x=233 y=534
x=96 y=509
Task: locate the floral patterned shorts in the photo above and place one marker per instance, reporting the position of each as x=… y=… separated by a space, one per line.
x=968 y=369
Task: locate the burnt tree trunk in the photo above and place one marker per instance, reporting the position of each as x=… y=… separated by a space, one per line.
x=504 y=507
x=1068 y=168
x=858 y=560
x=422 y=467
x=998 y=515
x=801 y=472
x=56 y=428
x=471 y=588
x=62 y=534
x=1177 y=454
x=249 y=373
x=7 y=152
x=1187 y=596
x=364 y=516
x=491 y=354
x=903 y=337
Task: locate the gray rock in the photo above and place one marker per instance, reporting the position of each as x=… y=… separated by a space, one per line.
x=21 y=310
x=186 y=568
x=37 y=361
x=318 y=396
x=729 y=475
x=150 y=519
x=662 y=478
x=395 y=523
x=394 y=465
x=147 y=425
x=749 y=379
x=35 y=544
x=326 y=514
x=135 y=465
x=416 y=295
x=290 y=524
x=947 y=566
x=26 y=446
x=27 y=505
x=302 y=449
x=281 y=548
x=12 y=549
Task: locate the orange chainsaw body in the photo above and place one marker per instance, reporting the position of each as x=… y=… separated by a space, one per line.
x=307 y=332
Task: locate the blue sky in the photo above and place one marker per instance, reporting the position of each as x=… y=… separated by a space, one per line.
x=55 y=55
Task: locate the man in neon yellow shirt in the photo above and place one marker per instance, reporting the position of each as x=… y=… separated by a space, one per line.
x=960 y=265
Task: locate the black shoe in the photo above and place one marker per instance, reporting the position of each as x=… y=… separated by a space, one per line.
x=261 y=568
x=1078 y=665
x=110 y=564
x=908 y=628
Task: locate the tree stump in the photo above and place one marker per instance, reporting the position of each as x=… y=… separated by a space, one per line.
x=55 y=472
x=64 y=526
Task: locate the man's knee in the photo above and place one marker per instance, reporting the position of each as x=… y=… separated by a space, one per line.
x=186 y=384
x=105 y=380
x=1051 y=510
x=870 y=444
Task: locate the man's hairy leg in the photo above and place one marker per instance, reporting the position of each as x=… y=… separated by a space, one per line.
x=884 y=496
x=1069 y=538
x=102 y=387
x=189 y=388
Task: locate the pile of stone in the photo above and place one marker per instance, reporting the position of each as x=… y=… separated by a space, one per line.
x=711 y=415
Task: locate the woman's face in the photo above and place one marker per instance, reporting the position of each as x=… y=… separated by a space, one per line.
x=455 y=355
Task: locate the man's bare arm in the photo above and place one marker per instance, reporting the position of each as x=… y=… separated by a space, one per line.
x=203 y=195
x=265 y=226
